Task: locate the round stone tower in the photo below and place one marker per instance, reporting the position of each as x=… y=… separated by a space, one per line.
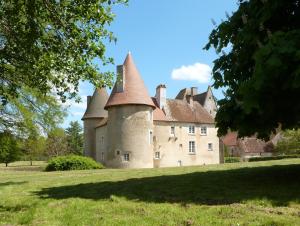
x=93 y=115
x=130 y=123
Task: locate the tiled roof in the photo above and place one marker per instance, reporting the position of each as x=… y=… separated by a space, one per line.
x=230 y=139
x=95 y=108
x=134 y=92
x=252 y=145
x=181 y=111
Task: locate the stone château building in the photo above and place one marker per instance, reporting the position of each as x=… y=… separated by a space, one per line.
x=129 y=129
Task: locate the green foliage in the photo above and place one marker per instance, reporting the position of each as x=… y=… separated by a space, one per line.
x=48 y=44
x=232 y=159
x=72 y=162
x=267 y=158
x=261 y=69
x=75 y=138
x=31 y=112
x=34 y=147
x=9 y=150
x=56 y=143
x=290 y=143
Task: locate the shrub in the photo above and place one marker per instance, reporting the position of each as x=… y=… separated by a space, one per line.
x=255 y=159
x=232 y=159
x=72 y=162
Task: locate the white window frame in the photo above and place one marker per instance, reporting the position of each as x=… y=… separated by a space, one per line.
x=192 y=147
x=191 y=129
x=157 y=155
x=172 y=130
x=210 y=148
x=201 y=133
x=126 y=157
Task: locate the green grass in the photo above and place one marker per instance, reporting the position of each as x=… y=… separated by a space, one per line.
x=256 y=193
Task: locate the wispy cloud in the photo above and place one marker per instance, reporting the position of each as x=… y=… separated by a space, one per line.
x=198 y=72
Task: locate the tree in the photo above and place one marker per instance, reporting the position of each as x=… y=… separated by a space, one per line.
x=34 y=147
x=31 y=113
x=9 y=150
x=51 y=45
x=261 y=69
x=75 y=138
x=56 y=143
x=290 y=143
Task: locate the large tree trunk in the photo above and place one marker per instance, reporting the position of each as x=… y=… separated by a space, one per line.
x=6 y=164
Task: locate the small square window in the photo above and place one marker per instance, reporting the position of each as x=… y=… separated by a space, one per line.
x=203 y=130
x=210 y=146
x=192 y=129
x=192 y=147
x=172 y=130
x=126 y=157
x=157 y=155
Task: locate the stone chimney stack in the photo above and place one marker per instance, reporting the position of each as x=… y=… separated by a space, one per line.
x=194 y=91
x=161 y=96
x=88 y=100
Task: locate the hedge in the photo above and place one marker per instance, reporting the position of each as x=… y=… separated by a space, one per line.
x=72 y=162
x=255 y=159
x=232 y=159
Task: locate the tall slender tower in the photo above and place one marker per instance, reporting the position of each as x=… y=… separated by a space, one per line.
x=130 y=122
x=93 y=115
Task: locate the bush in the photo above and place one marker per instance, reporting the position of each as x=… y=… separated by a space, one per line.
x=72 y=162
x=255 y=159
x=232 y=159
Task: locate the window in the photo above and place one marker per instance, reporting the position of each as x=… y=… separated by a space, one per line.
x=102 y=140
x=126 y=157
x=172 y=130
x=192 y=129
x=150 y=137
x=157 y=155
x=210 y=146
x=102 y=156
x=192 y=147
x=203 y=130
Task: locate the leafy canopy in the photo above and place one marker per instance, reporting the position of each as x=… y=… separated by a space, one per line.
x=9 y=150
x=261 y=70
x=52 y=45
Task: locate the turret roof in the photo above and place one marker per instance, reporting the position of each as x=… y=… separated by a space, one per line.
x=134 y=92
x=95 y=108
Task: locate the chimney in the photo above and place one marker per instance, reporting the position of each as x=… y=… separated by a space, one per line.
x=160 y=95
x=190 y=100
x=88 y=100
x=120 y=78
x=194 y=91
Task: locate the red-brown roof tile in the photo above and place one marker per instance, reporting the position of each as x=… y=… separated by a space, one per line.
x=135 y=91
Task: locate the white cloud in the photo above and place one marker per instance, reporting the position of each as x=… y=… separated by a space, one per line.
x=199 y=72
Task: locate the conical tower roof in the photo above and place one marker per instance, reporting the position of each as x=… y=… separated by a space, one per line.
x=134 y=90
x=95 y=108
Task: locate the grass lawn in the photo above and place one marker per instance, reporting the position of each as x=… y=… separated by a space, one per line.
x=256 y=193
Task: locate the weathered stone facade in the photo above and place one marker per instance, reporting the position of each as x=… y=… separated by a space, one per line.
x=144 y=132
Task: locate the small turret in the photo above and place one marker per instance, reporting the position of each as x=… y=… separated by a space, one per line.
x=130 y=122
x=93 y=115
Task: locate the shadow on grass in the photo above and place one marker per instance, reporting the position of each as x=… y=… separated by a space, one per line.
x=12 y=183
x=278 y=184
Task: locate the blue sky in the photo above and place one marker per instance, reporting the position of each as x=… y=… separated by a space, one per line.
x=166 y=39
